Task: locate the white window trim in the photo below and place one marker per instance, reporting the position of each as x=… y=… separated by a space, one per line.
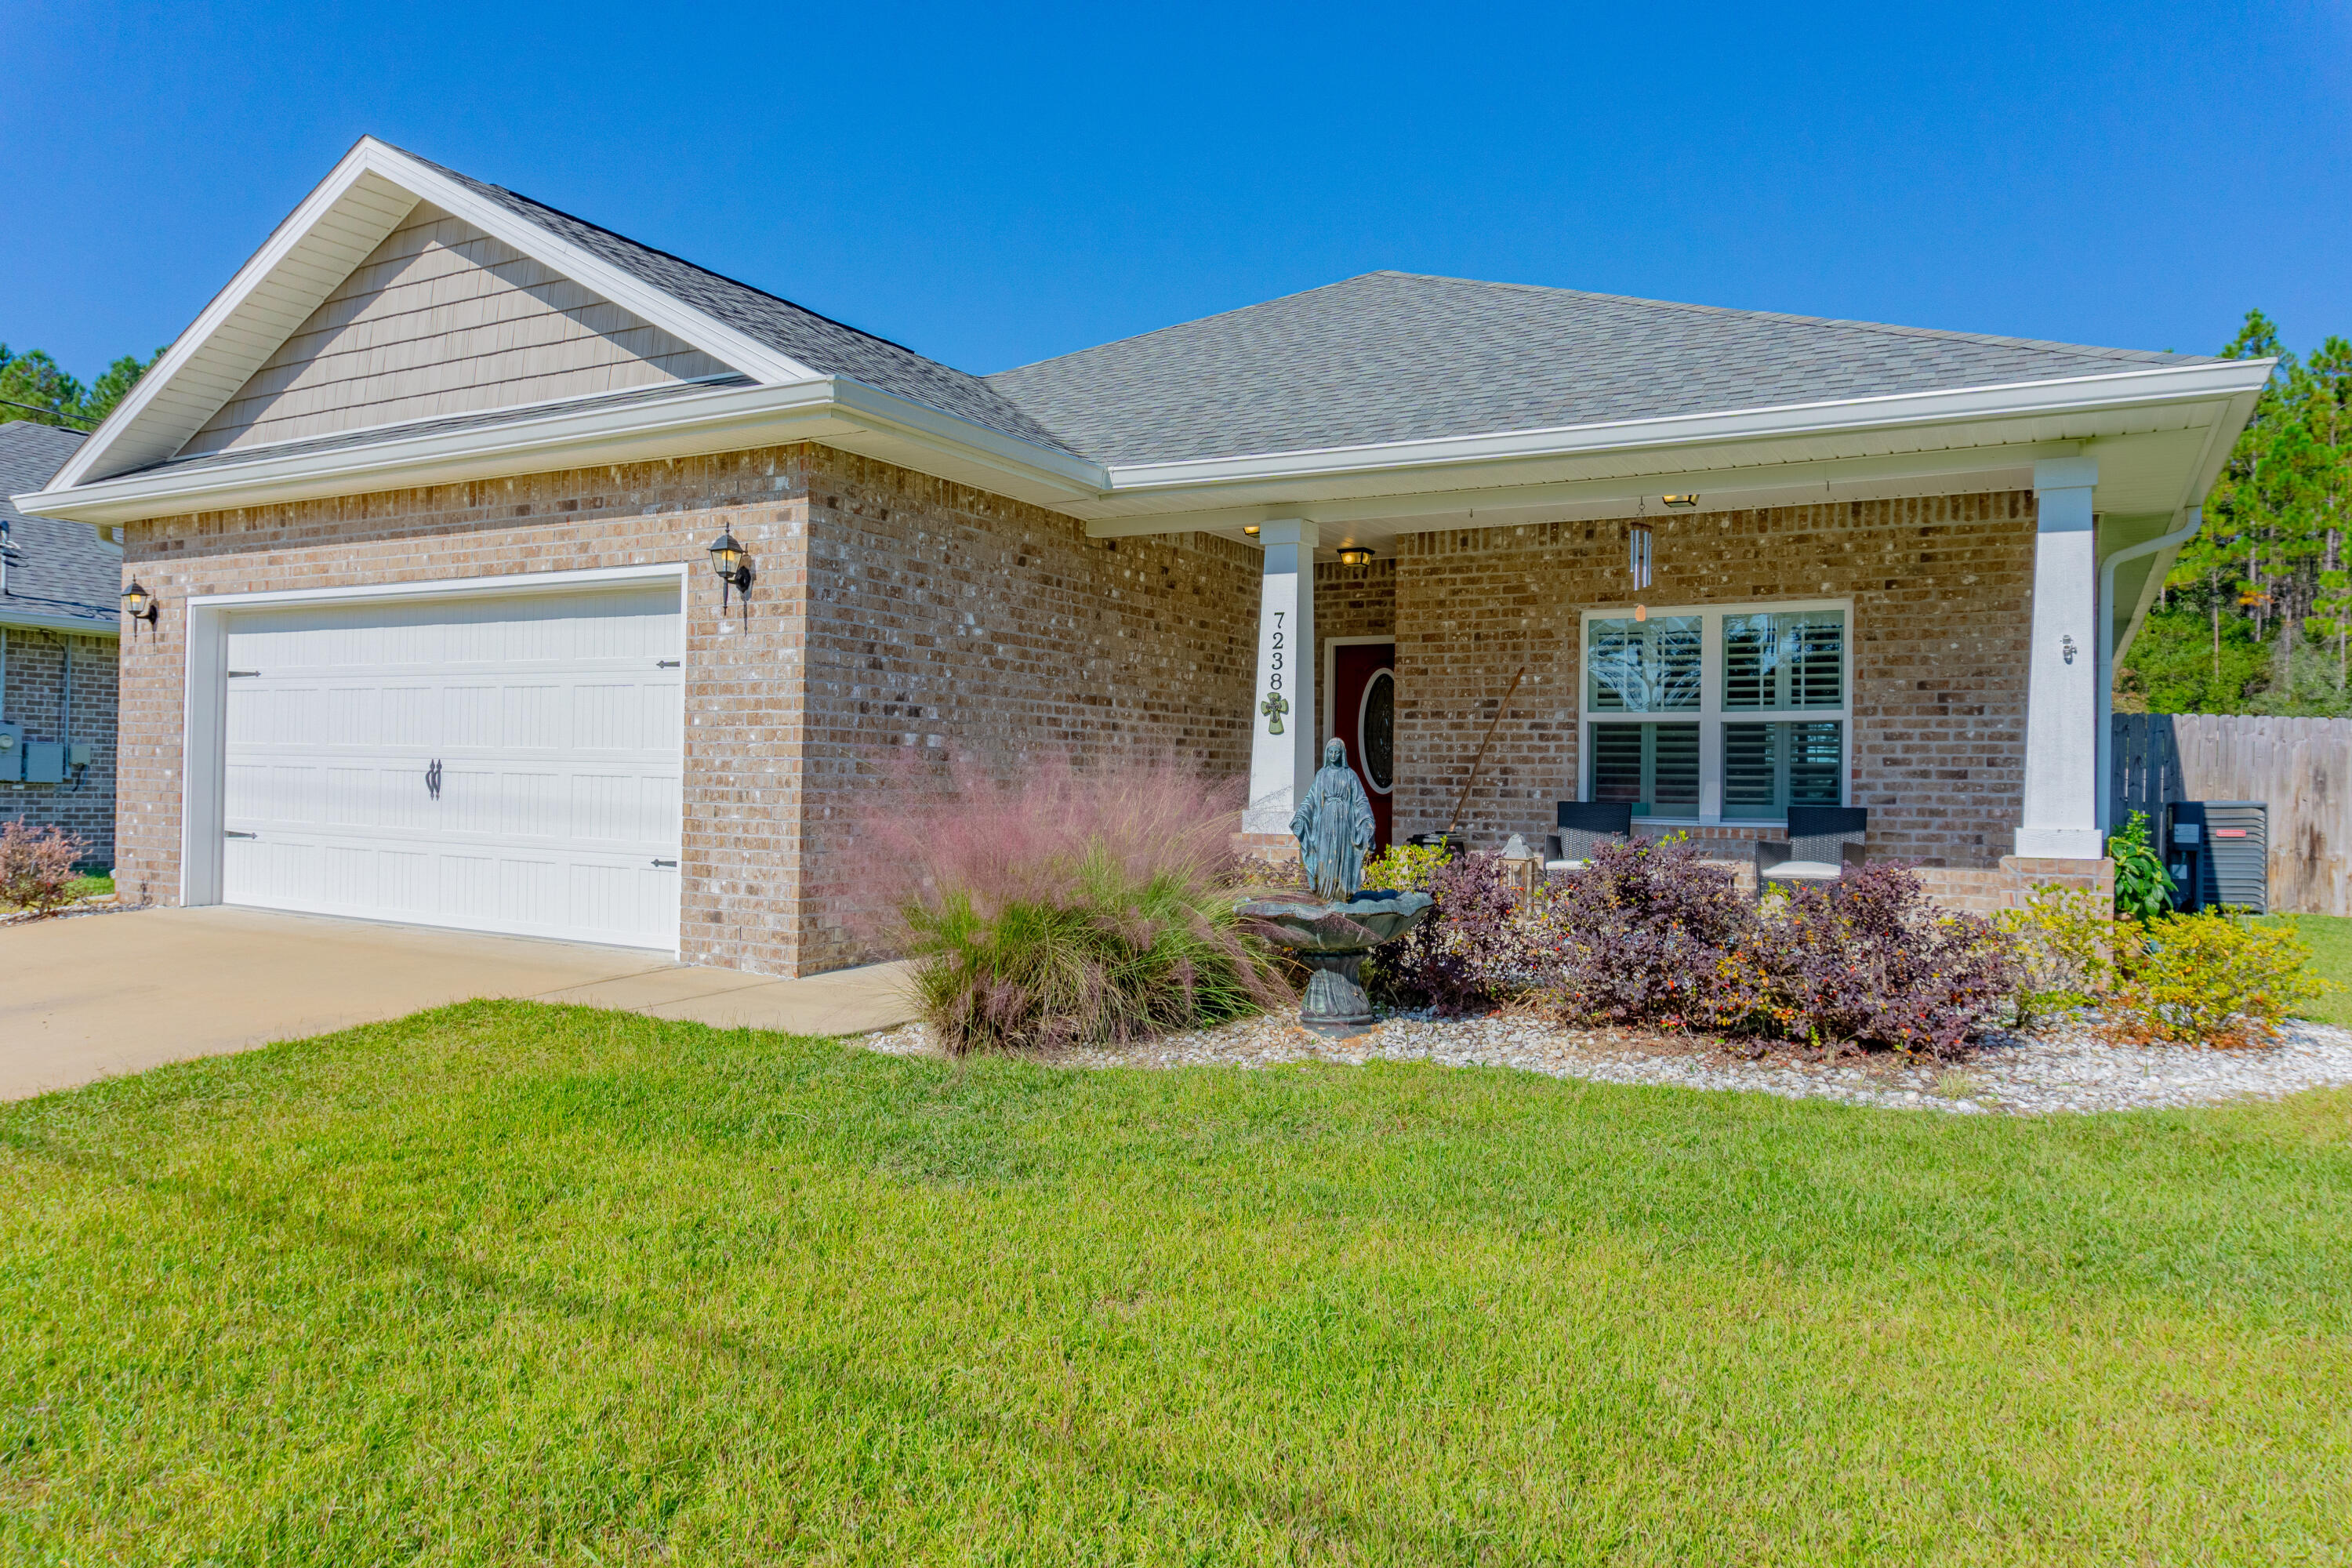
x=1710 y=714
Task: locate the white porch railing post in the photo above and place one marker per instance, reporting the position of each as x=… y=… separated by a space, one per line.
x=1283 y=751
x=2061 y=815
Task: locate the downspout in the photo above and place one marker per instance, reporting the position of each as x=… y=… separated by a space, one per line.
x=2105 y=745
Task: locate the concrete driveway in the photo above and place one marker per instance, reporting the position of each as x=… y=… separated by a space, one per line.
x=95 y=996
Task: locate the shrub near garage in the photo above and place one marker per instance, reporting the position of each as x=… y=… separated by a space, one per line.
x=36 y=868
x=1061 y=908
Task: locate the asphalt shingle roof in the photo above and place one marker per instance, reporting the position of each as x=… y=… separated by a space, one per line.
x=55 y=568
x=822 y=344
x=1397 y=356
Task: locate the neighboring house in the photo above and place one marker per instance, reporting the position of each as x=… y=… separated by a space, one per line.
x=425 y=496
x=58 y=628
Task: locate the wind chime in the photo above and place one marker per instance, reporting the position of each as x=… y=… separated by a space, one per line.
x=1639 y=537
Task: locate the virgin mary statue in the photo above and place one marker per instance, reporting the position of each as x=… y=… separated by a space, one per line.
x=1334 y=827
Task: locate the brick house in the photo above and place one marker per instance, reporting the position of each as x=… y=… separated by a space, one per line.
x=58 y=628
x=425 y=497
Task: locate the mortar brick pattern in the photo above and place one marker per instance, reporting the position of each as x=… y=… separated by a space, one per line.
x=1942 y=591
x=889 y=609
x=35 y=663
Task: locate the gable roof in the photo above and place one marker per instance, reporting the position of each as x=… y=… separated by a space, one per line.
x=822 y=344
x=59 y=574
x=1399 y=356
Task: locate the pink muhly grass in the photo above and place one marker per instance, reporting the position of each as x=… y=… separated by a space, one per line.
x=1058 y=905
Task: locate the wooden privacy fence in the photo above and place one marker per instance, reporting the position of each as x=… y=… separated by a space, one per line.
x=2300 y=766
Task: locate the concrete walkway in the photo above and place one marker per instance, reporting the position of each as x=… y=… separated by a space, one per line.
x=97 y=995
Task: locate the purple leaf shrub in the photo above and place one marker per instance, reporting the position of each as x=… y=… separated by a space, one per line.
x=1467 y=952
x=1869 y=959
x=1647 y=933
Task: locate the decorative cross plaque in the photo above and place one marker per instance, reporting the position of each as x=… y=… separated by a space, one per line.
x=1275 y=706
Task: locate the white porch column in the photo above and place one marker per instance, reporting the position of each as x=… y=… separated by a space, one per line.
x=2061 y=817
x=1283 y=753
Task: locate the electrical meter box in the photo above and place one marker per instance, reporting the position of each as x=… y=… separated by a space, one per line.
x=12 y=752
x=45 y=761
x=2218 y=853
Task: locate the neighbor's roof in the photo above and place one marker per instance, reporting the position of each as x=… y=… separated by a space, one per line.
x=1398 y=356
x=55 y=568
x=817 y=341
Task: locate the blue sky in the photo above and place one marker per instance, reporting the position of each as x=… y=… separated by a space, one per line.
x=992 y=187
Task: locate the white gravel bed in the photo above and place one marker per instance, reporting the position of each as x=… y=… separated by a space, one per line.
x=2066 y=1070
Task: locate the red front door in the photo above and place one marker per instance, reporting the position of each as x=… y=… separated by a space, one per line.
x=1364 y=714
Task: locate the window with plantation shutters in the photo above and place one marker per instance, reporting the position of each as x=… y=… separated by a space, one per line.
x=1784 y=660
x=1760 y=699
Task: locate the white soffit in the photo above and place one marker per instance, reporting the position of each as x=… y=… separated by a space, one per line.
x=337 y=225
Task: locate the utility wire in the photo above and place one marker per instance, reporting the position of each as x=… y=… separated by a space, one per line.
x=37 y=408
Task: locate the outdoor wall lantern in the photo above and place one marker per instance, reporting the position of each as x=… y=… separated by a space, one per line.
x=733 y=566
x=139 y=604
x=1355 y=556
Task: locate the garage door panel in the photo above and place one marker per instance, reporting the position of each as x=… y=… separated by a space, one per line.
x=558 y=736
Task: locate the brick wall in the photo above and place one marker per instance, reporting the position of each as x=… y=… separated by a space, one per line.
x=1351 y=602
x=1942 y=599
x=945 y=618
x=36 y=696
x=889 y=605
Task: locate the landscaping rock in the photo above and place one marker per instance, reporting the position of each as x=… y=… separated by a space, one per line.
x=2065 y=1071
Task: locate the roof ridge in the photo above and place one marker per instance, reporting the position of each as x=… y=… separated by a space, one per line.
x=664 y=255
x=1214 y=316
x=1942 y=334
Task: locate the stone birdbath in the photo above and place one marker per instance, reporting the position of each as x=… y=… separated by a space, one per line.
x=1333 y=929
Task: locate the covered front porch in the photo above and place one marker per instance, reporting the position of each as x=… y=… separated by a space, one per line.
x=1938 y=660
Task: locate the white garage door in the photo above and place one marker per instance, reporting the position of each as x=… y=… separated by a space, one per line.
x=506 y=764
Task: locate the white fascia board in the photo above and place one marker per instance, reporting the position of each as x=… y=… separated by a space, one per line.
x=2181 y=384
x=257 y=332
x=160 y=383
x=44 y=620
x=737 y=418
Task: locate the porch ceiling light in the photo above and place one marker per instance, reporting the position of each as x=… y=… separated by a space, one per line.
x=139 y=604
x=732 y=564
x=1355 y=556
x=1249 y=528
x=1685 y=499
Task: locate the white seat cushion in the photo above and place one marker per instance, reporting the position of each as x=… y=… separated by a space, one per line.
x=1563 y=865
x=1803 y=872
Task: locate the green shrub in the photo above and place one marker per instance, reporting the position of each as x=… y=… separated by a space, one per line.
x=2064 y=940
x=1405 y=868
x=2142 y=887
x=2212 y=979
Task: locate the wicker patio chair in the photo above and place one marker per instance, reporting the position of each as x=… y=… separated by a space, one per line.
x=1583 y=824
x=1823 y=841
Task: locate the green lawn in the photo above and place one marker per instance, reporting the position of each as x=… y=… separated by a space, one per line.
x=509 y=1283
x=2330 y=937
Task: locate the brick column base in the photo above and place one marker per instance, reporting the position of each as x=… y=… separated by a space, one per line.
x=1985 y=892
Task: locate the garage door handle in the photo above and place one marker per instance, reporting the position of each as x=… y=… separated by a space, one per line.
x=232 y=833
x=664 y=664
x=672 y=864
x=432 y=779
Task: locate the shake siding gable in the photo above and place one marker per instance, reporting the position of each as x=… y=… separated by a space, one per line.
x=443 y=319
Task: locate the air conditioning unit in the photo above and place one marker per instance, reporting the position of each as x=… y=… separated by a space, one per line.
x=2219 y=852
